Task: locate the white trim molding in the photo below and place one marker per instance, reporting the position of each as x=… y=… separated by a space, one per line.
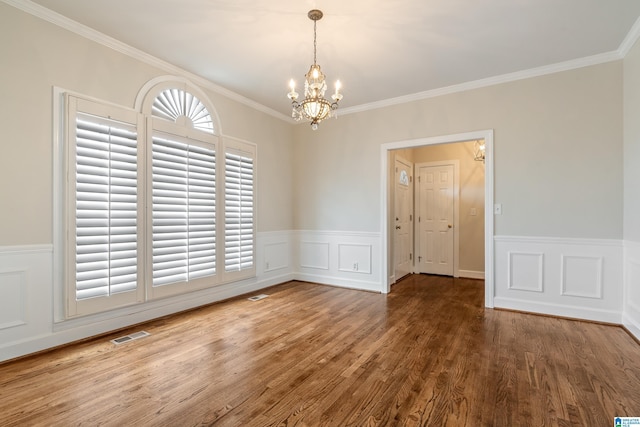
x=471 y=274
x=591 y=289
x=338 y=258
x=496 y=80
x=526 y=271
x=385 y=227
x=27 y=296
x=98 y=37
x=629 y=40
x=125 y=49
x=631 y=308
x=579 y=278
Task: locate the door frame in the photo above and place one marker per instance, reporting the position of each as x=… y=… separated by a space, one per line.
x=385 y=229
x=456 y=206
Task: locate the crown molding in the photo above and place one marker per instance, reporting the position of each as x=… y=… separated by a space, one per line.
x=630 y=39
x=491 y=81
x=98 y=37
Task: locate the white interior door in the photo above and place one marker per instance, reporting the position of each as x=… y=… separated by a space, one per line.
x=435 y=220
x=403 y=214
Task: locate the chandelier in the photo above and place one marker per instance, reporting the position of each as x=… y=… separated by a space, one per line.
x=479 y=150
x=314 y=107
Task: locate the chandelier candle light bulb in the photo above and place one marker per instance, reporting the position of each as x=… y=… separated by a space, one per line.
x=337 y=96
x=314 y=107
x=292 y=95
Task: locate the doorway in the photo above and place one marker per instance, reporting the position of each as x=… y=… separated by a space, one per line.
x=387 y=223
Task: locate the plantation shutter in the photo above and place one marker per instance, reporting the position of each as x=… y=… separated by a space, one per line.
x=183 y=211
x=239 y=211
x=106 y=217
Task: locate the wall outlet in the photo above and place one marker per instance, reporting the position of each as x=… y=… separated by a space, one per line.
x=473 y=212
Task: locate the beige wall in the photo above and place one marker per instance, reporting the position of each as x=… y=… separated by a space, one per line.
x=36 y=56
x=632 y=144
x=552 y=174
x=557 y=145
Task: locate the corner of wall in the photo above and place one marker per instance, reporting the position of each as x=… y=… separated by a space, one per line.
x=631 y=308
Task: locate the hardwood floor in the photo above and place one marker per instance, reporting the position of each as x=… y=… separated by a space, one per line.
x=426 y=354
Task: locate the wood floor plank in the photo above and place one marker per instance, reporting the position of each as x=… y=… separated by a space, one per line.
x=427 y=354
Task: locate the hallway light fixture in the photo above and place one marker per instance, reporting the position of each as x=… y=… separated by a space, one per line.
x=478 y=150
x=314 y=107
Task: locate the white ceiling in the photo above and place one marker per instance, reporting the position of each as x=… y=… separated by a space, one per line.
x=378 y=49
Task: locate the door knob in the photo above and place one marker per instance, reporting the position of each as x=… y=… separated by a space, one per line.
x=449 y=226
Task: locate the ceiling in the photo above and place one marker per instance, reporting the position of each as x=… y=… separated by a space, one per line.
x=378 y=49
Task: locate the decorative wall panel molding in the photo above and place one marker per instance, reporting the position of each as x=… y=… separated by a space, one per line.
x=13 y=298
x=354 y=258
x=579 y=278
x=274 y=251
x=345 y=259
x=582 y=276
x=526 y=271
x=38 y=331
x=569 y=276
x=25 y=293
x=314 y=255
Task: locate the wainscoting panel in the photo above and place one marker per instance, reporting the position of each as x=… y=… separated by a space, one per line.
x=580 y=278
x=345 y=259
x=631 y=311
x=25 y=293
x=26 y=296
x=526 y=271
x=274 y=252
x=314 y=255
x=354 y=258
x=13 y=298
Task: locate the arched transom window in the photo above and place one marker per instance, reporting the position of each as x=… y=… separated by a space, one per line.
x=160 y=203
x=176 y=104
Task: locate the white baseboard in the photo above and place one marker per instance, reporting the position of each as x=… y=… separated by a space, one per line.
x=339 y=282
x=573 y=312
x=28 y=296
x=470 y=274
x=575 y=278
x=631 y=310
x=631 y=325
x=344 y=259
x=78 y=329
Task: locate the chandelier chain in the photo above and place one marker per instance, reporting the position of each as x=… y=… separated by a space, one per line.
x=314 y=41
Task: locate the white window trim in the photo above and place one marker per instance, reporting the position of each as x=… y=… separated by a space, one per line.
x=74 y=307
x=61 y=260
x=249 y=149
